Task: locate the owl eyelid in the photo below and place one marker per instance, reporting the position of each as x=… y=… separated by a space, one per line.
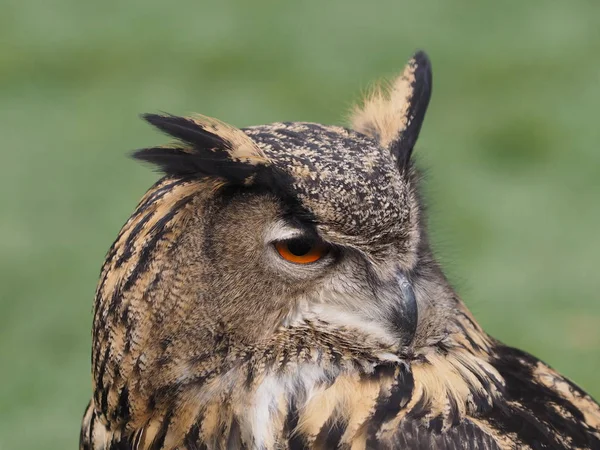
x=283 y=231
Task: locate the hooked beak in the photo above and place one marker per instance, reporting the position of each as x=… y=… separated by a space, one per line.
x=406 y=312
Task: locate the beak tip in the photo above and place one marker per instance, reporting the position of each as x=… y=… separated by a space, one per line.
x=407 y=313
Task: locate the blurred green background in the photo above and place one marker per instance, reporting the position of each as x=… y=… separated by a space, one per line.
x=510 y=148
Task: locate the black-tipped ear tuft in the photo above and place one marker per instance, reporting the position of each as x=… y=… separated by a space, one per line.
x=200 y=163
x=418 y=101
x=394 y=115
x=185 y=130
x=207 y=148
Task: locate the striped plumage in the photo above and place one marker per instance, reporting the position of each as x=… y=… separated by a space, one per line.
x=205 y=339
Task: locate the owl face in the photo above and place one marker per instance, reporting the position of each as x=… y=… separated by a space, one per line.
x=335 y=243
x=299 y=223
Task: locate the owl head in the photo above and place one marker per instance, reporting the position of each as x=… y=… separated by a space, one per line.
x=302 y=218
x=258 y=235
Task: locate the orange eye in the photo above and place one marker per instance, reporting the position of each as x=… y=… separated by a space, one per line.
x=301 y=251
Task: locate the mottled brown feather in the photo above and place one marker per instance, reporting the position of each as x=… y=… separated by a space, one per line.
x=198 y=345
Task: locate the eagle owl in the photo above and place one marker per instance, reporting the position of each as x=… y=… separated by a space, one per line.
x=276 y=290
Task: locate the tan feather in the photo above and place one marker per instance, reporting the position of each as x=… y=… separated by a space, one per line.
x=383 y=114
x=242 y=148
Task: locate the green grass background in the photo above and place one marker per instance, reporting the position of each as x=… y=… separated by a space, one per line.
x=510 y=147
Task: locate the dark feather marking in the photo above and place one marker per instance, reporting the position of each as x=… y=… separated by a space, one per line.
x=136 y=438
x=201 y=163
x=285 y=359
x=403 y=146
x=468 y=319
x=102 y=331
x=124 y=316
x=153 y=284
x=482 y=402
x=251 y=370
x=99 y=361
x=186 y=130
x=160 y=394
x=85 y=442
x=389 y=405
x=100 y=325
x=420 y=409
x=413 y=435
x=121 y=443
x=160 y=192
x=436 y=424
x=101 y=392
x=129 y=243
x=129 y=321
x=330 y=434
x=104 y=402
x=234 y=439
x=157 y=233
x=192 y=437
x=380 y=372
x=453 y=414
x=334 y=354
x=112 y=251
x=464 y=334
x=197 y=380
x=122 y=410
x=274 y=182
x=537 y=422
x=295 y=440
x=159 y=439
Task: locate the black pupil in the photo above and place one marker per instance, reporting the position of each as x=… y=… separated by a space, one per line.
x=300 y=247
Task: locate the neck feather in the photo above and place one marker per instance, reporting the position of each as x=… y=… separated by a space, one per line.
x=309 y=379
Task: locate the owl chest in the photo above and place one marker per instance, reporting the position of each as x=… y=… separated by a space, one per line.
x=301 y=409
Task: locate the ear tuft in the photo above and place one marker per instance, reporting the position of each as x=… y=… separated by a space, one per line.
x=208 y=147
x=393 y=115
